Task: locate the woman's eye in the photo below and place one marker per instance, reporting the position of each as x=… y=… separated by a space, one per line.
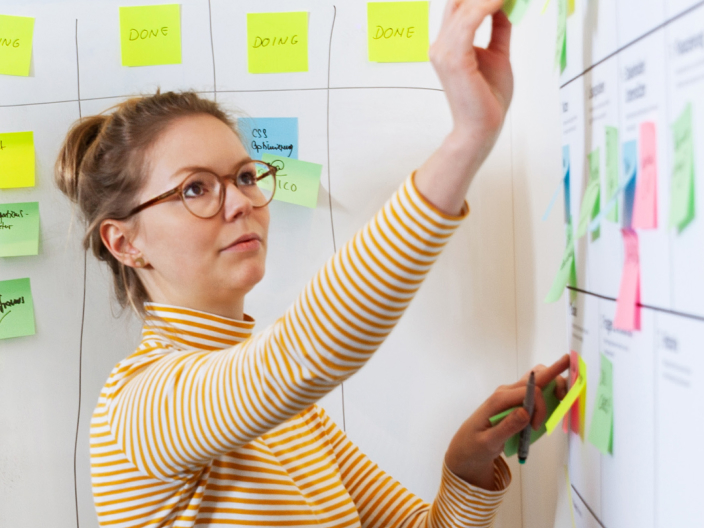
x=194 y=190
x=246 y=179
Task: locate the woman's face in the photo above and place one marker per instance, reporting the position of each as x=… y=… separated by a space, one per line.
x=206 y=264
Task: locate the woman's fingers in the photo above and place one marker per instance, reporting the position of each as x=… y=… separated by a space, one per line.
x=515 y=422
x=560 y=387
x=500 y=34
x=545 y=376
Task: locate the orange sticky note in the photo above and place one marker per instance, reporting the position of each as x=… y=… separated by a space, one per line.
x=628 y=302
x=645 y=205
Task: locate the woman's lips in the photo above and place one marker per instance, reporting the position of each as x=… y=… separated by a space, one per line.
x=245 y=243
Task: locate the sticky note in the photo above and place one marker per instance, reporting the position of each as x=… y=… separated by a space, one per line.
x=272 y=135
x=561 y=46
x=16 y=309
x=398 y=31
x=591 y=201
x=574 y=375
x=645 y=204
x=682 y=185
x=277 y=42
x=551 y=402
x=19 y=229
x=630 y=168
x=567 y=274
x=601 y=431
x=628 y=302
x=297 y=182
x=566 y=182
x=576 y=390
x=611 y=180
x=150 y=35
x=574 y=420
x=16 y=160
x=16 y=34
x=515 y=9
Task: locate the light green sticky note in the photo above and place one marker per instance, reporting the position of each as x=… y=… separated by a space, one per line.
x=398 y=31
x=150 y=35
x=551 y=402
x=591 y=202
x=16 y=34
x=601 y=432
x=16 y=160
x=297 y=181
x=682 y=185
x=515 y=9
x=611 y=182
x=19 y=229
x=561 y=46
x=16 y=309
x=567 y=274
x=277 y=42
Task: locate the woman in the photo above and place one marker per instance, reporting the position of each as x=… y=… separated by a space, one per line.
x=207 y=424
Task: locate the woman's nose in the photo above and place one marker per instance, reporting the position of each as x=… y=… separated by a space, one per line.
x=236 y=203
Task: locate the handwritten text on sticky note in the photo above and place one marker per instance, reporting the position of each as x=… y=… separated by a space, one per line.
x=272 y=135
x=645 y=205
x=19 y=229
x=601 y=431
x=397 y=31
x=15 y=44
x=682 y=189
x=150 y=35
x=628 y=302
x=277 y=42
x=297 y=182
x=16 y=160
x=16 y=309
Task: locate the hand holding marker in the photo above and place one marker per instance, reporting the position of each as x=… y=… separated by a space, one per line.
x=528 y=405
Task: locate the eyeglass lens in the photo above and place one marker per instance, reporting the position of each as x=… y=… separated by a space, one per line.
x=203 y=192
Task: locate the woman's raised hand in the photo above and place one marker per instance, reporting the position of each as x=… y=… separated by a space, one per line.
x=477 y=444
x=478 y=84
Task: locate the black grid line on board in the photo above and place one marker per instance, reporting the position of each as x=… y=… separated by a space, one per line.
x=587 y=506
x=657 y=28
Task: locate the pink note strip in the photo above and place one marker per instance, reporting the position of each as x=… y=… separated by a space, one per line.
x=627 y=304
x=645 y=205
x=574 y=374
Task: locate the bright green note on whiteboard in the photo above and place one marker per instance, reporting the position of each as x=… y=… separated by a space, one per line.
x=150 y=35
x=16 y=160
x=601 y=432
x=277 y=42
x=16 y=309
x=397 y=31
x=15 y=44
x=515 y=9
x=297 y=182
x=682 y=185
x=19 y=229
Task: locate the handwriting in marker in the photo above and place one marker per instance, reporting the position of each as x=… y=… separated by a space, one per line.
x=682 y=195
x=19 y=229
x=272 y=135
x=16 y=34
x=277 y=42
x=150 y=35
x=16 y=309
x=601 y=431
x=397 y=31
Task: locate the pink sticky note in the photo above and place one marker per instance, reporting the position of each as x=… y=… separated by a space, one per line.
x=574 y=374
x=628 y=302
x=645 y=203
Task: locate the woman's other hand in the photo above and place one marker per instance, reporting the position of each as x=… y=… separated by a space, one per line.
x=477 y=444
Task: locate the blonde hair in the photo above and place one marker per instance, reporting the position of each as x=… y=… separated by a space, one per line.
x=102 y=168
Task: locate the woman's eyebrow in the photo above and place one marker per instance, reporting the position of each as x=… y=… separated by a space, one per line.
x=197 y=168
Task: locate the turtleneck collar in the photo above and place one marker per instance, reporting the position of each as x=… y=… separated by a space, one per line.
x=192 y=329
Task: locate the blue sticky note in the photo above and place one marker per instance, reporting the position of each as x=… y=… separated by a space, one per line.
x=630 y=169
x=277 y=136
x=566 y=181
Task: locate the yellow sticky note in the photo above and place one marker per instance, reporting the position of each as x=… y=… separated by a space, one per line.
x=397 y=31
x=150 y=35
x=277 y=42
x=16 y=160
x=566 y=404
x=15 y=44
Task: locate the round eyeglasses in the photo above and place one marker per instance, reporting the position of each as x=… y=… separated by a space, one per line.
x=203 y=192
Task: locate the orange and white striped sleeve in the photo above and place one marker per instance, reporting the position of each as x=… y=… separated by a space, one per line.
x=183 y=408
x=383 y=502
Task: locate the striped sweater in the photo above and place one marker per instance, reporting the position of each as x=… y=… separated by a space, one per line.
x=207 y=424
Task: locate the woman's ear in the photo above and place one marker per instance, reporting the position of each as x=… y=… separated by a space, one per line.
x=115 y=235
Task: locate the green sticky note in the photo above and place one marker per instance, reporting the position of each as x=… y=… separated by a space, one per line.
x=16 y=44
x=591 y=202
x=515 y=9
x=611 y=170
x=16 y=309
x=150 y=35
x=297 y=181
x=398 y=31
x=277 y=42
x=561 y=46
x=551 y=401
x=601 y=432
x=682 y=185
x=19 y=229
x=16 y=160
x=567 y=274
